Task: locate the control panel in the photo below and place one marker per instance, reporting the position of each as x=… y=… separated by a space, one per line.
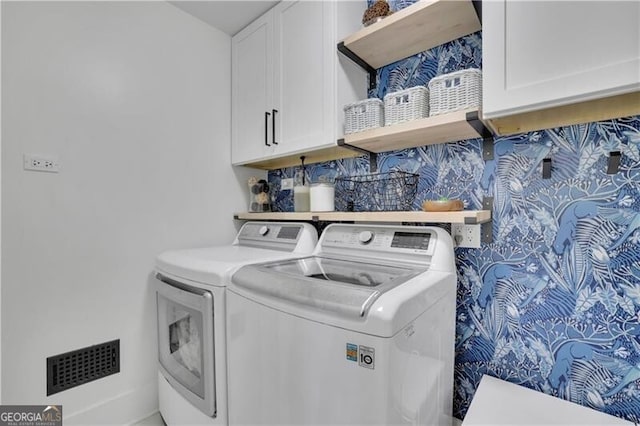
x=294 y=237
x=270 y=232
x=411 y=240
x=381 y=238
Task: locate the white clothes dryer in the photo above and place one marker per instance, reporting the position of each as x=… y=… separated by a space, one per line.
x=361 y=332
x=191 y=302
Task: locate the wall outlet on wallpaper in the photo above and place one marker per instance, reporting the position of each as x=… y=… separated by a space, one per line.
x=286 y=183
x=468 y=236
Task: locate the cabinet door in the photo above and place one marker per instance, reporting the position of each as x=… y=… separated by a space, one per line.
x=542 y=54
x=252 y=91
x=304 y=92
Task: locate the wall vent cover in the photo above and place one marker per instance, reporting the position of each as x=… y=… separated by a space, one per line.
x=75 y=368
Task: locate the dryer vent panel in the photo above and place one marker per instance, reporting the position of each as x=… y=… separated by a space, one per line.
x=81 y=366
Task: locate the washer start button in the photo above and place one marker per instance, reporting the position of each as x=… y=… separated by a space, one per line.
x=365 y=237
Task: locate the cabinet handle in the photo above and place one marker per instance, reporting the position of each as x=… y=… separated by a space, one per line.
x=266 y=125
x=273 y=126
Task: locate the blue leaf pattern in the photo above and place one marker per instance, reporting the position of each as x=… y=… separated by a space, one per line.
x=553 y=303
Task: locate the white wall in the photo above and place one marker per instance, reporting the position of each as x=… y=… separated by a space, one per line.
x=134 y=100
x=0 y=213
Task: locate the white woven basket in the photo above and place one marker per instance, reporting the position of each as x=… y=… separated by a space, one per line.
x=455 y=91
x=406 y=105
x=363 y=115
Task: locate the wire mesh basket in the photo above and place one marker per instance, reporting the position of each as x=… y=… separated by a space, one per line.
x=391 y=191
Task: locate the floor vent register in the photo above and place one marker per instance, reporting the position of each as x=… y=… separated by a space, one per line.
x=71 y=369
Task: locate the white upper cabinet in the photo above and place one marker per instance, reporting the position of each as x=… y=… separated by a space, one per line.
x=290 y=85
x=304 y=82
x=252 y=90
x=543 y=55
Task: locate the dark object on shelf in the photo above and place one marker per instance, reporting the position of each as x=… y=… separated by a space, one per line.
x=379 y=9
x=259 y=195
x=392 y=191
x=261 y=186
x=260 y=207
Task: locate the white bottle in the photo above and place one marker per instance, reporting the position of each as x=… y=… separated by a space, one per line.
x=300 y=192
x=301 y=198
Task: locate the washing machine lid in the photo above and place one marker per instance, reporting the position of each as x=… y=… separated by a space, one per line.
x=345 y=286
x=212 y=265
x=497 y=402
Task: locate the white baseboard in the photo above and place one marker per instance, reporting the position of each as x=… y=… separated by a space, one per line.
x=125 y=409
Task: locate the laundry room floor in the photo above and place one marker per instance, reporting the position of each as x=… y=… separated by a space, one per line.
x=156 y=420
x=153 y=420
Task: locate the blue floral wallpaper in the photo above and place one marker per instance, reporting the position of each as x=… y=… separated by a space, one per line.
x=553 y=303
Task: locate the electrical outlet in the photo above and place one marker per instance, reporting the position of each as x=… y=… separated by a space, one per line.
x=40 y=164
x=468 y=236
x=286 y=183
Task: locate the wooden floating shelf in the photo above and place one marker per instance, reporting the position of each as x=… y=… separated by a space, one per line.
x=464 y=216
x=449 y=127
x=625 y=105
x=418 y=27
x=321 y=155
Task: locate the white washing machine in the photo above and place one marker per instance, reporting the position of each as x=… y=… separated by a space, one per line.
x=191 y=301
x=361 y=332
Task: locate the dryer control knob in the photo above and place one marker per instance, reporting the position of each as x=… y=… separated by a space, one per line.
x=264 y=230
x=365 y=237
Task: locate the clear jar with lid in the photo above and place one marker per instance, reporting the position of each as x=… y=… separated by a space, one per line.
x=300 y=192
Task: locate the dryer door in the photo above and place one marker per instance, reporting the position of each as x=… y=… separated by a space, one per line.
x=185 y=341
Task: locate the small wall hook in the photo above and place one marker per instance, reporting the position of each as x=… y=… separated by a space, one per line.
x=614 y=162
x=546 y=168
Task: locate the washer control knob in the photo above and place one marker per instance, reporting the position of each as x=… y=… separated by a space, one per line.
x=365 y=237
x=264 y=230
